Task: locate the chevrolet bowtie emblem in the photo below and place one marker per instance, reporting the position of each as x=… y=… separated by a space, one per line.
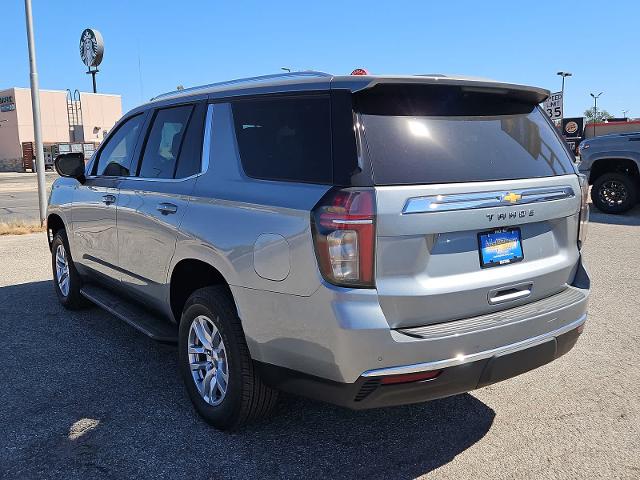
x=511 y=197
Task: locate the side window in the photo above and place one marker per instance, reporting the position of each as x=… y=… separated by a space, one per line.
x=115 y=157
x=163 y=146
x=190 y=161
x=285 y=138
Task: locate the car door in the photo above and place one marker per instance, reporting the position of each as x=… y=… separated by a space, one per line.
x=94 y=244
x=152 y=203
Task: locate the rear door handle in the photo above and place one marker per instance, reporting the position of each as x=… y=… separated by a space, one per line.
x=108 y=199
x=167 y=208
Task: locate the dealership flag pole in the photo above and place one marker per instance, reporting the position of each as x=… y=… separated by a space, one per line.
x=35 y=105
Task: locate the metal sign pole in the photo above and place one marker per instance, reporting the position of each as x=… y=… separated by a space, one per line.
x=562 y=116
x=35 y=105
x=93 y=78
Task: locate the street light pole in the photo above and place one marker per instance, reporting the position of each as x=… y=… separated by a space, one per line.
x=35 y=106
x=563 y=75
x=595 y=110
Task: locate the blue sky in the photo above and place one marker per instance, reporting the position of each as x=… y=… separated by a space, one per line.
x=152 y=46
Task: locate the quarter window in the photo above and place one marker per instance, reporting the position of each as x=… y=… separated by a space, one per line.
x=190 y=161
x=285 y=138
x=163 y=146
x=117 y=154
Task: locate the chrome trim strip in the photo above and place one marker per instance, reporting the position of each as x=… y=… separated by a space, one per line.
x=496 y=198
x=206 y=142
x=474 y=357
x=352 y=222
x=150 y=179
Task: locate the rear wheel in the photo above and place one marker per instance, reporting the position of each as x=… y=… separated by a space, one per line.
x=66 y=280
x=614 y=193
x=215 y=363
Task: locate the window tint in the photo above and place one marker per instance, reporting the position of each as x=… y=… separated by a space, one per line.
x=164 y=142
x=116 y=155
x=411 y=150
x=444 y=135
x=285 y=138
x=190 y=161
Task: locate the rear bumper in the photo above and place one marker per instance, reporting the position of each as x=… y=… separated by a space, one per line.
x=503 y=350
x=342 y=335
x=368 y=391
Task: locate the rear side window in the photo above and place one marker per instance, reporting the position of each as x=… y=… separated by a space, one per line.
x=160 y=158
x=116 y=155
x=285 y=138
x=432 y=135
x=190 y=161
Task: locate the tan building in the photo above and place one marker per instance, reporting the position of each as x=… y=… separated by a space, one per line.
x=70 y=121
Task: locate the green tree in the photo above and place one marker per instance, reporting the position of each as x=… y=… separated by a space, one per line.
x=600 y=116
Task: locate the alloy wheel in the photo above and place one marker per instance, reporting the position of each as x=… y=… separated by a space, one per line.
x=613 y=193
x=208 y=360
x=62 y=270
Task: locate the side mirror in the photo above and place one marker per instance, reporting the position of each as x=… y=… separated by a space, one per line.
x=70 y=165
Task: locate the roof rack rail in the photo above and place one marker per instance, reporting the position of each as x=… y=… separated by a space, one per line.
x=239 y=81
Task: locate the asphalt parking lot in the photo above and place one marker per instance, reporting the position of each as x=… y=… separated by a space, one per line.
x=82 y=395
x=19 y=196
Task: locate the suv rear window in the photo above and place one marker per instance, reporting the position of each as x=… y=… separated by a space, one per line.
x=439 y=134
x=285 y=138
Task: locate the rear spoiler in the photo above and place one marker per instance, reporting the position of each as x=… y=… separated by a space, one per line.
x=525 y=93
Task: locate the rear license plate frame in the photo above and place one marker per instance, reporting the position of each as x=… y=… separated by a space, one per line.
x=514 y=255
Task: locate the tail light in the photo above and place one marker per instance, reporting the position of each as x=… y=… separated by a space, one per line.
x=584 y=210
x=343 y=224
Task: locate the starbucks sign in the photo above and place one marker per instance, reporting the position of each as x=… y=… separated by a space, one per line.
x=91 y=47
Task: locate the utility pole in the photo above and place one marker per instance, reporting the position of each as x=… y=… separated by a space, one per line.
x=595 y=110
x=35 y=106
x=563 y=75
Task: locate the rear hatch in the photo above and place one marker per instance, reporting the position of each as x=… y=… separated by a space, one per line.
x=477 y=201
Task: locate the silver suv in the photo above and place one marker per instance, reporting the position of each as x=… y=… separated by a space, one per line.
x=363 y=240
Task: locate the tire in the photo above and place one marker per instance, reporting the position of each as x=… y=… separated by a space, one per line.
x=614 y=193
x=69 y=295
x=245 y=399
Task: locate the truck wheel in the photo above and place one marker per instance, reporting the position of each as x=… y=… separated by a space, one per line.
x=614 y=193
x=66 y=280
x=215 y=363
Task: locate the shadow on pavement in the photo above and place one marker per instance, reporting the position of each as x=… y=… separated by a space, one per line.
x=85 y=396
x=632 y=217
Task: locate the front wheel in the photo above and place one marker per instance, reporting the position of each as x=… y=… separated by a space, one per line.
x=215 y=363
x=66 y=280
x=614 y=193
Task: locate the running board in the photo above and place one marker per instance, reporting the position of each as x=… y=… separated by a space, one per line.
x=155 y=328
